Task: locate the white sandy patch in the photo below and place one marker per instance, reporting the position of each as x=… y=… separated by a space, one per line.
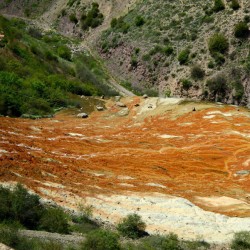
x=164 y=214
x=170 y=136
x=125 y=177
x=246 y=163
x=219 y=201
x=155 y=185
x=241 y=134
x=53 y=184
x=75 y=135
x=217 y=112
x=208 y=116
x=186 y=124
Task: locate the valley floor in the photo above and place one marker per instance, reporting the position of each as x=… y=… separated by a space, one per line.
x=183 y=171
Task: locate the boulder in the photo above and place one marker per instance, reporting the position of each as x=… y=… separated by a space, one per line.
x=123 y=112
x=99 y=108
x=145 y=96
x=120 y=104
x=117 y=98
x=82 y=115
x=150 y=106
x=137 y=105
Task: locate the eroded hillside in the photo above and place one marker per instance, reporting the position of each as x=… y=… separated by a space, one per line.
x=143 y=158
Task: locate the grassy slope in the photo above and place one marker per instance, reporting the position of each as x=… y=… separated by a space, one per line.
x=38 y=72
x=179 y=25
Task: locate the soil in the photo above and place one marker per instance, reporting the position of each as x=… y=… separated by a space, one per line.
x=161 y=146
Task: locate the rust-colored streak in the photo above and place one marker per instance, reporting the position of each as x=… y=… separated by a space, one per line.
x=186 y=154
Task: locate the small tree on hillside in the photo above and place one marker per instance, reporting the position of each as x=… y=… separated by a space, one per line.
x=218 y=5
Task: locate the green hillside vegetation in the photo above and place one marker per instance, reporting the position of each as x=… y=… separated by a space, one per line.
x=174 y=36
x=39 y=73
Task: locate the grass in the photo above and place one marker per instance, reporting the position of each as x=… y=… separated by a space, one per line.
x=44 y=71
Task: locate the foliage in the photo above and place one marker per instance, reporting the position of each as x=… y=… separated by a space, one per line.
x=54 y=220
x=64 y=52
x=100 y=240
x=241 y=30
x=139 y=21
x=197 y=72
x=217 y=84
x=132 y=226
x=183 y=56
x=186 y=84
x=235 y=5
x=241 y=241
x=157 y=242
x=218 y=43
x=73 y=18
x=92 y=18
x=20 y=206
x=218 y=5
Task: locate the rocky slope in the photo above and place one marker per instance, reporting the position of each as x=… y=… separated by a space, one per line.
x=159 y=45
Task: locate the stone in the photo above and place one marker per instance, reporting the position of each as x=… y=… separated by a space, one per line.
x=99 y=108
x=121 y=104
x=145 y=96
x=137 y=105
x=123 y=112
x=150 y=106
x=117 y=98
x=243 y=172
x=82 y=115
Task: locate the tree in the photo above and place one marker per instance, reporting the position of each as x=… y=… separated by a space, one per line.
x=132 y=226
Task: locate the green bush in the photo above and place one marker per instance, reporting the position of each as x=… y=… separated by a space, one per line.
x=197 y=72
x=73 y=18
x=241 y=241
x=168 y=50
x=218 y=43
x=218 y=5
x=54 y=220
x=139 y=21
x=100 y=240
x=183 y=57
x=64 y=52
x=241 y=30
x=186 y=84
x=217 y=84
x=132 y=226
x=235 y=5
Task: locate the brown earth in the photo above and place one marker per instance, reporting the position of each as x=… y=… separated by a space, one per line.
x=167 y=149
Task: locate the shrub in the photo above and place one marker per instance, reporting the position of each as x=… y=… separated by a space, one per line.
x=217 y=84
x=113 y=23
x=139 y=21
x=218 y=5
x=239 y=90
x=241 y=241
x=218 y=43
x=168 y=50
x=197 y=72
x=241 y=30
x=64 y=52
x=132 y=226
x=235 y=5
x=54 y=220
x=73 y=18
x=184 y=56
x=186 y=84
x=100 y=240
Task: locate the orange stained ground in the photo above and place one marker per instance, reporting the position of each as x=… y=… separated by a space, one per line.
x=186 y=154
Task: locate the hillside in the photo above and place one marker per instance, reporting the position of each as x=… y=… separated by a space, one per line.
x=164 y=45
x=43 y=71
